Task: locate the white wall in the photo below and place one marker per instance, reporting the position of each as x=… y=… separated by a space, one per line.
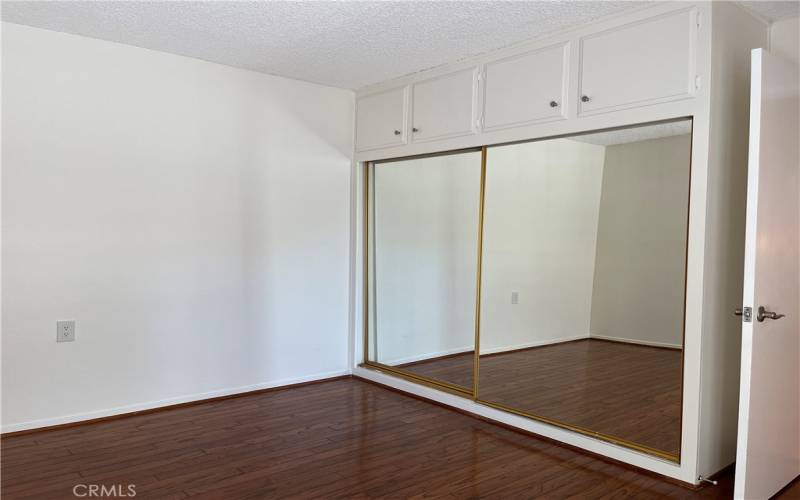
x=640 y=268
x=425 y=237
x=784 y=39
x=540 y=232
x=193 y=219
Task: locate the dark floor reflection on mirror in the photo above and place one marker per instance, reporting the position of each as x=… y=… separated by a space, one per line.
x=584 y=262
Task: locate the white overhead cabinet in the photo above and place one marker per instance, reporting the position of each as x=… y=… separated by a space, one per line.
x=637 y=64
x=381 y=119
x=526 y=88
x=552 y=87
x=444 y=106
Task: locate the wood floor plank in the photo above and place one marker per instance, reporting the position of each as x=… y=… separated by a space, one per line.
x=340 y=439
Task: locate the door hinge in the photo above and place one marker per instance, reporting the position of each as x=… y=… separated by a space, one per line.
x=699 y=16
x=697 y=81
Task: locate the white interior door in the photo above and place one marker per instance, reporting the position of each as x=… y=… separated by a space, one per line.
x=768 y=449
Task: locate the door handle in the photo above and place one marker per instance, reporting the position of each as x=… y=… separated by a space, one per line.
x=764 y=314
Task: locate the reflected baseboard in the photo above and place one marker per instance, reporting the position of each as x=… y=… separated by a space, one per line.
x=460 y=351
x=648 y=343
x=449 y=353
x=470 y=352
x=420 y=358
x=531 y=345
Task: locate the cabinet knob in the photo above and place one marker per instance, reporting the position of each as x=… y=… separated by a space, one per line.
x=553 y=104
x=414 y=129
x=585 y=98
x=396 y=132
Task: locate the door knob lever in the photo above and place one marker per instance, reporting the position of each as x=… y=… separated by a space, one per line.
x=764 y=314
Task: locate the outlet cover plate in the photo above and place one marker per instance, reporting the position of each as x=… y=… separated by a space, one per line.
x=65 y=331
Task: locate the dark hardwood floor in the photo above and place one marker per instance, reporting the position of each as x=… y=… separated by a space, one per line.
x=622 y=390
x=339 y=439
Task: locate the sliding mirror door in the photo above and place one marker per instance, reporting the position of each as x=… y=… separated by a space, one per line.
x=583 y=282
x=422 y=253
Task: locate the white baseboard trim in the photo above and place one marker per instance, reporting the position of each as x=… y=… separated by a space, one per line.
x=423 y=357
x=527 y=345
x=149 y=405
x=636 y=341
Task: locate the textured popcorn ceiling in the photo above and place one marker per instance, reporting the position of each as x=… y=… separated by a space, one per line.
x=342 y=44
x=773 y=11
x=636 y=134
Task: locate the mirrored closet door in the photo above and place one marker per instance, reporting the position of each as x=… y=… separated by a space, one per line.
x=573 y=252
x=583 y=282
x=422 y=263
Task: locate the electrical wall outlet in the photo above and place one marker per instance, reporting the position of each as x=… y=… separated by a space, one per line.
x=515 y=297
x=65 y=331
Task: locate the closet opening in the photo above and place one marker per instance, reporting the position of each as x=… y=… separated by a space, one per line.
x=546 y=278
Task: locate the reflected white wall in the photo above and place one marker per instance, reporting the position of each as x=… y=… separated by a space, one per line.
x=425 y=247
x=587 y=234
x=540 y=229
x=640 y=267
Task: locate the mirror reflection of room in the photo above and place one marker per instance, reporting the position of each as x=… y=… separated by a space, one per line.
x=424 y=226
x=584 y=281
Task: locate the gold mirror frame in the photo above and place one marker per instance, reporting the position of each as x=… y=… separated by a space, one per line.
x=366 y=235
x=473 y=394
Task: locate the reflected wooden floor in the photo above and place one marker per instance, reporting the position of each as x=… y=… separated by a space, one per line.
x=623 y=390
x=455 y=369
x=338 y=439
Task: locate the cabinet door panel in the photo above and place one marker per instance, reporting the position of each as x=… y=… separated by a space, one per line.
x=380 y=119
x=522 y=89
x=445 y=106
x=641 y=63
